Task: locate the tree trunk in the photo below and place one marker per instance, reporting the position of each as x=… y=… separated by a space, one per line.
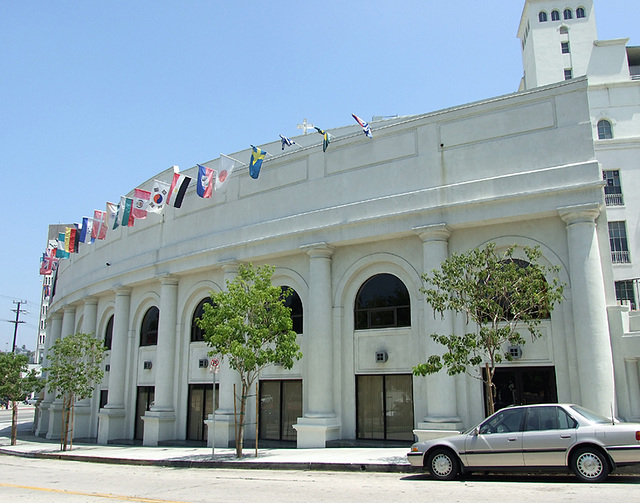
x=240 y=421
x=14 y=422
x=489 y=390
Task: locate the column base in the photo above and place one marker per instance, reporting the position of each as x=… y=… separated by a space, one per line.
x=111 y=424
x=315 y=432
x=437 y=427
x=223 y=432
x=54 y=431
x=158 y=426
x=82 y=421
x=43 y=419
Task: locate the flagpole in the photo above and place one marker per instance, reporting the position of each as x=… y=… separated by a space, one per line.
x=234 y=160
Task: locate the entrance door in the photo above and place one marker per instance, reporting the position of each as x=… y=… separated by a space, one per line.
x=384 y=407
x=524 y=386
x=280 y=408
x=200 y=406
x=144 y=401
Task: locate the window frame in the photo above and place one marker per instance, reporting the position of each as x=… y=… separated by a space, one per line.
x=581 y=13
x=365 y=317
x=149 y=337
x=294 y=302
x=564 y=47
x=567 y=14
x=605 y=129
x=542 y=17
x=555 y=15
x=108 y=333
x=197 y=334
x=619 y=242
x=568 y=73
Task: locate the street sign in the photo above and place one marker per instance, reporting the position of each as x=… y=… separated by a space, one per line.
x=214 y=366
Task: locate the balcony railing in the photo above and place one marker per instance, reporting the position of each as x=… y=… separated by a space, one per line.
x=620 y=257
x=635 y=72
x=614 y=199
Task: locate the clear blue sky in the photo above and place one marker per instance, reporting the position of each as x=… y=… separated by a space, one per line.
x=97 y=97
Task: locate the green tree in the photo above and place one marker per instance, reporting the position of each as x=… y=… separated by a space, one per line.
x=499 y=295
x=75 y=368
x=17 y=382
x=250 y=326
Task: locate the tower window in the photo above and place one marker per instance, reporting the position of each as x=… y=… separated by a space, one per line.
x=580 y=13
x=564 y=30
x=555 y=15
x=542 y=17
x=618 y=243
x=612 y=188
x=568 y=74
x=565 y=47
x=568 y=14
x=605 y=130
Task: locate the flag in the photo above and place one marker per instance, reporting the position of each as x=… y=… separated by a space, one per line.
x=326 y=140
x=49 y=261
x=112 y=211
x=159 y=195
x=54 y=281
x=365 y=127
x=205 y=181
x=124 y=215
x=225 y=168
x=141 y=200
x=178 y=188
x=287 y=142
x=257 y=156
x=86 y=231
x=99 y=229
x=71 y=239
x=61 y=251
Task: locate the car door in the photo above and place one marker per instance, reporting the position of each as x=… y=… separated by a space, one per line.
x=497 y=442
x=549 y=433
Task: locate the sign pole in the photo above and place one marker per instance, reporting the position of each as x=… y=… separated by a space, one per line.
x=214 y=368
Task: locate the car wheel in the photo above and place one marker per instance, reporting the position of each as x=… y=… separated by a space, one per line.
x=443 y=464
x=590 y=465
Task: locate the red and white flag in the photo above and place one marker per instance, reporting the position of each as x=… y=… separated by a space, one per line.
x=141 y=200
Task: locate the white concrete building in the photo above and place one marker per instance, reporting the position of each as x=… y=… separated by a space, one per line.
x=352 y=230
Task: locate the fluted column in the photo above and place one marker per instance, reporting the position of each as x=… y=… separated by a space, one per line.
x=82 y=412
x=593 y=345
x=56 y=408
x=111 y=417
x=159 y=422
x=224 y=435
x=54 y=332
x=319 y=423
x=442 y=407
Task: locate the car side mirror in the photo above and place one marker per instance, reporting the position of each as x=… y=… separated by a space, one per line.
x=476 y=431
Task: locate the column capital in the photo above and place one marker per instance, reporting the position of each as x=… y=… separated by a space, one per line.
x=581 y=213
x=230 y=266
x=433 y=232
x=90 y=301
x=69 y=308
x=318 y=250
x=168 y=280
x=122 y=291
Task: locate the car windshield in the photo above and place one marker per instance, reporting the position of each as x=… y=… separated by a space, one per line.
x=589 y=415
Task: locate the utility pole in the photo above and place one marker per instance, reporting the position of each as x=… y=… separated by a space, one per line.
x=17 y=310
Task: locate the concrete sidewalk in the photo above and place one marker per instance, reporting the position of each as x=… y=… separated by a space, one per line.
x=333 y=459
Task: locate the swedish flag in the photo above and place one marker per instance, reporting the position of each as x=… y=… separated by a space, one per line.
x=326 y=140
x=257 y=156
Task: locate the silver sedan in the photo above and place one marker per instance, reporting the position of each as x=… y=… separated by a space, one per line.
x=537 y=438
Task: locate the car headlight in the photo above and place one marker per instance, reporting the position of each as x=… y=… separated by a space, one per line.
x=414 y=448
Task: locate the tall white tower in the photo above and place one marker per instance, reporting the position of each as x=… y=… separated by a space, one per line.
x=557 y=40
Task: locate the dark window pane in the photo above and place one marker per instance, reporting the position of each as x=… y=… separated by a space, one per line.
x=294 y=303
x=378 y=301
x=149 y=328
x=108 y=334
x=197 y=334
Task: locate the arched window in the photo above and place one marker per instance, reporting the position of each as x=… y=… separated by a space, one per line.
x=294 y=303
x=568 y=14
x=382 y=302
x=605 y=130
x=542 y=17
x=197 y=334
x=580 y=13
x=564 y=30
x=108 y=333
x=149 y=328
x=555 y=15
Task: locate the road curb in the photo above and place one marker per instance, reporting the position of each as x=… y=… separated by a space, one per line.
x=250 y=465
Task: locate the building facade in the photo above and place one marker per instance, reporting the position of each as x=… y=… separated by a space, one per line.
x=351 y=231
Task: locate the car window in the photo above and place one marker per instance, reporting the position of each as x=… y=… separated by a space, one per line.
x=548 y=418
x=565 y=421
x=594 y=417
x=505 y=421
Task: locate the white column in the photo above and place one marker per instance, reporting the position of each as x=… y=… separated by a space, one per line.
x=112 y=416
x=55 y=409
x=595 y=361
x=224 y=418
x=319 y=423
x=82 y=409
x=442 y=407
x=159 y=422
x=54 y=332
